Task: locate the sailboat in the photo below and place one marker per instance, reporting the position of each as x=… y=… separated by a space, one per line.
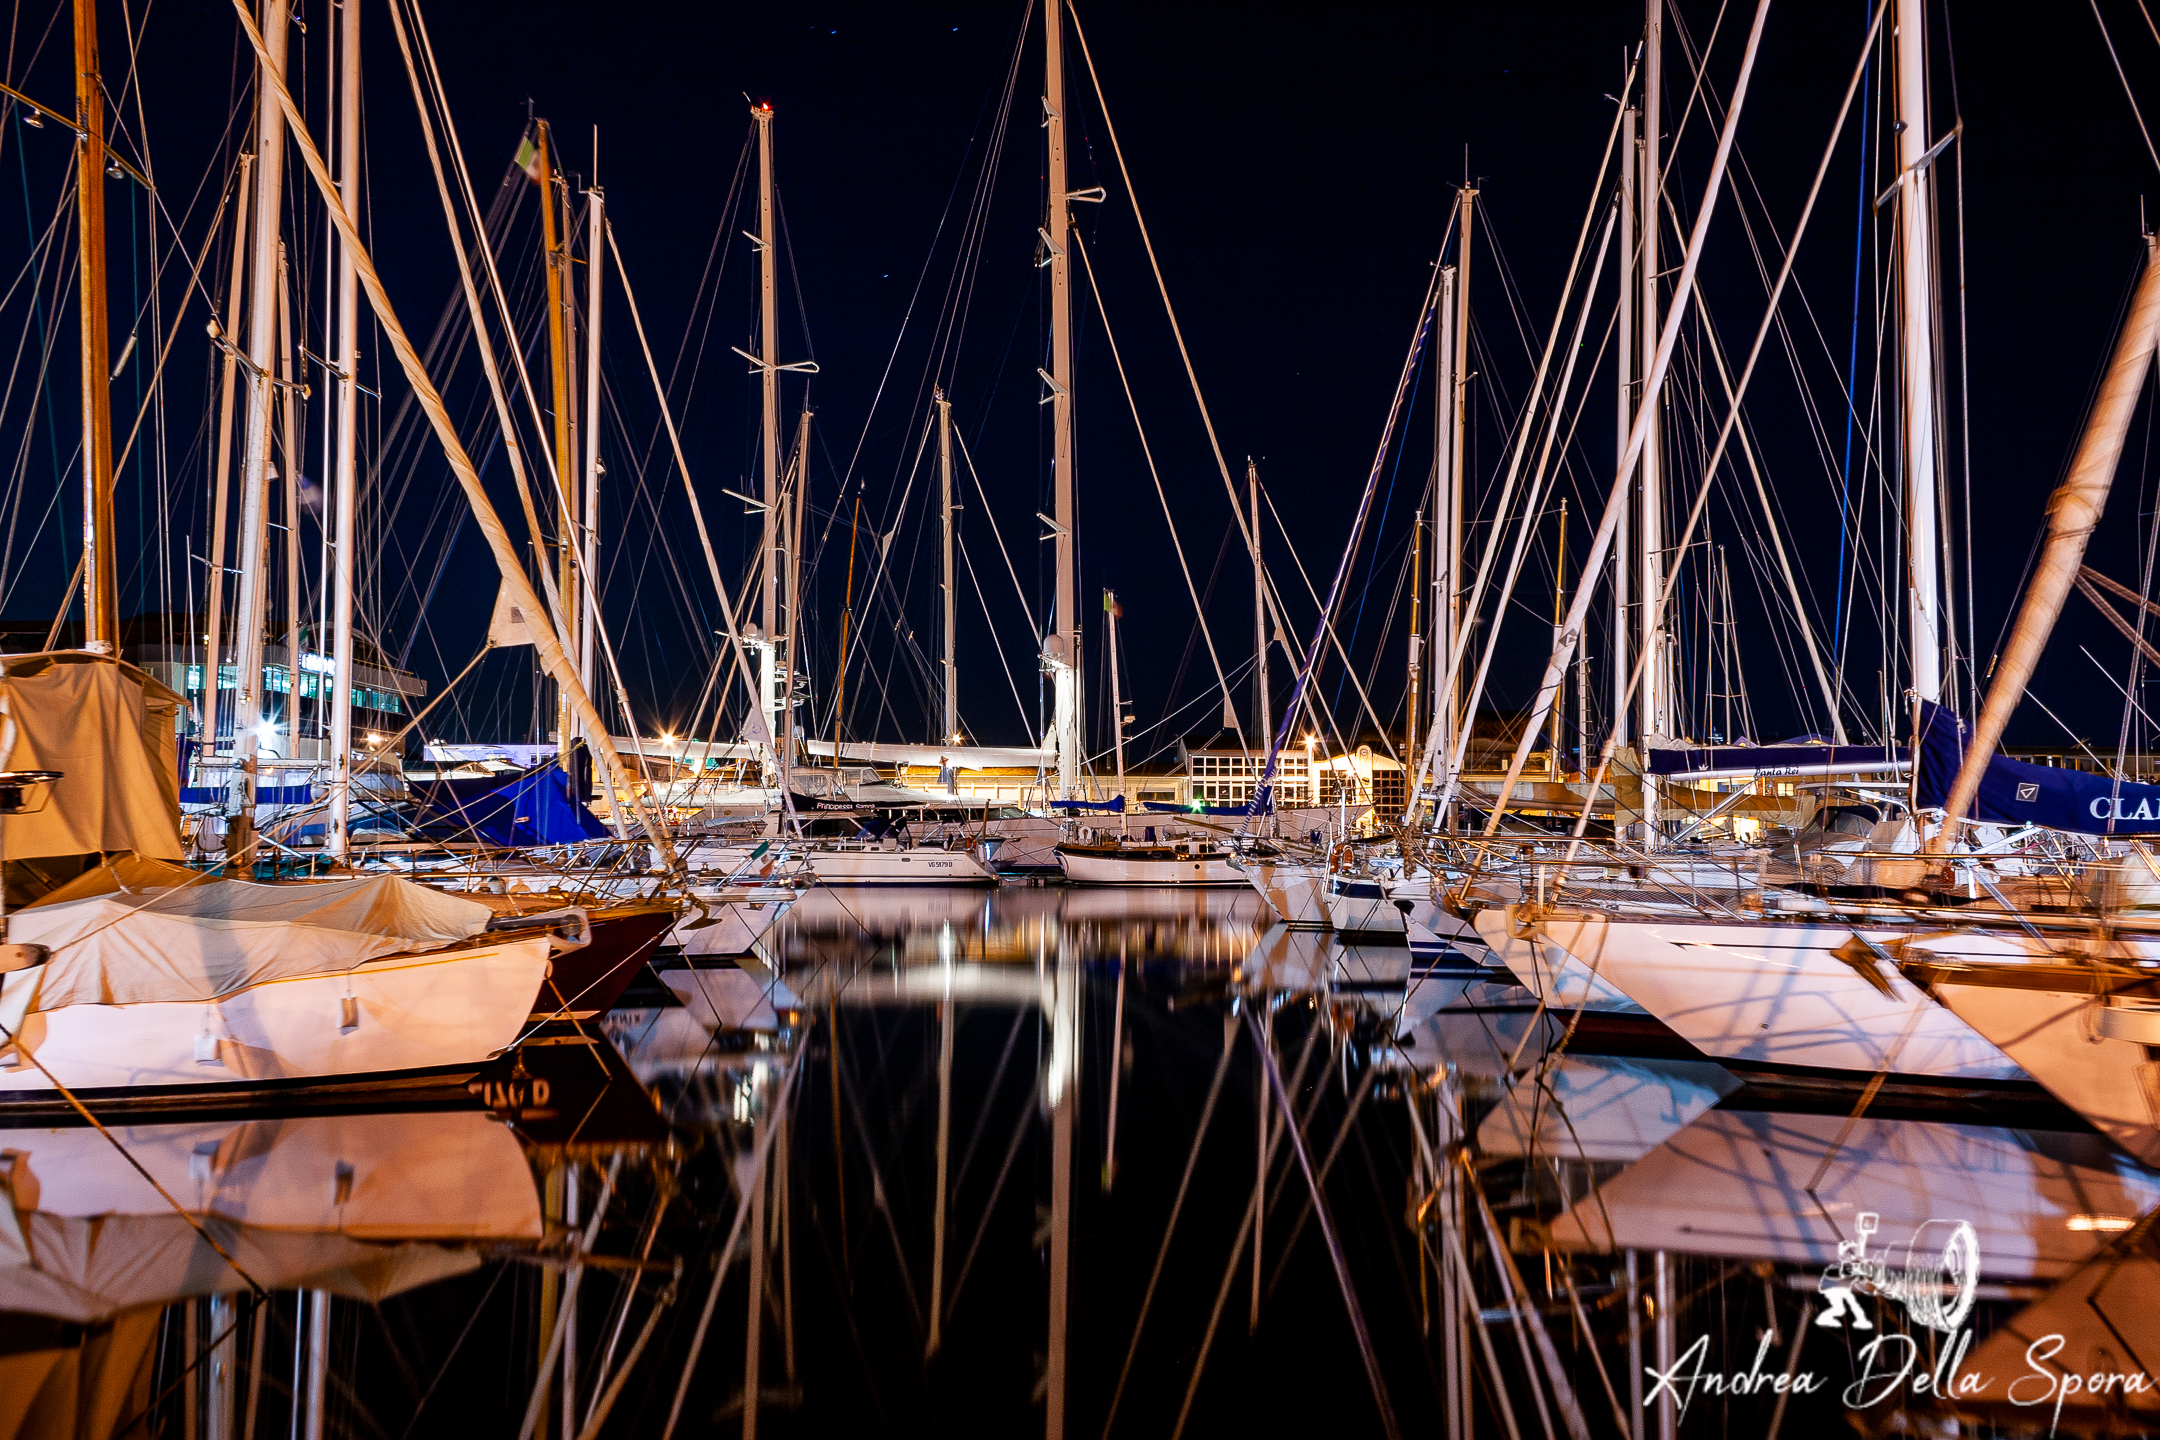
x=1115 y=856
x=1792 y=971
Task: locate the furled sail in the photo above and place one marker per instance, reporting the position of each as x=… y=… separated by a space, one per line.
x=2015 y=792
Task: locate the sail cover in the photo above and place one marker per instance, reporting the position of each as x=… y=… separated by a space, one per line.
x=128 y=942
x=108 y=729
x=1765 y=760
x=2014 y=792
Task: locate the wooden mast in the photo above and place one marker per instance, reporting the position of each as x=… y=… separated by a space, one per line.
x=558 y=259
x=101 y=622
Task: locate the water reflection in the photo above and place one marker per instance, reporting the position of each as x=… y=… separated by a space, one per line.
x=1037 y=1159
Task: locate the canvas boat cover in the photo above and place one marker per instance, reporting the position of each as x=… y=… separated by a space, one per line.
x=108 y=729
x=137 y=930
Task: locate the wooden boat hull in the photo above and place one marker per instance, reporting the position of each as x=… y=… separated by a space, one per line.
x=589 y=980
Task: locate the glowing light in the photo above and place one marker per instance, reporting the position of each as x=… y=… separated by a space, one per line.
x=2107 y=1224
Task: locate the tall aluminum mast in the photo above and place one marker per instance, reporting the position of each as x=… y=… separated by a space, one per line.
x=1923 y=593
x=1061 y=650
x=770 y=676
x=1448 y=570
x=1263 y=707
x=950 y=734
x=1653 y=712
x=348 y=401
x=1446 y=397
x=255 y=451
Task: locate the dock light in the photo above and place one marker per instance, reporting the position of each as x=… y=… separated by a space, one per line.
x=2109 y=1224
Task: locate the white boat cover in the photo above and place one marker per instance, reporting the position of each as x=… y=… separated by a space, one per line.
x=127 y=933
x=108 y=729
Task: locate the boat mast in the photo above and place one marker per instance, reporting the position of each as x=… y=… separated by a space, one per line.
x=1445 y=395
x=792 y=542
x=1117 y=704
x=1450 y=536
x=1559 y=617
x=1061 y=653
x=1624 y=349
x=558 y=261
x=214 y=628
x=1653 y=718
x=770 y=658
x=595 y=247
x=348 y=403
x=1917 y=305
x=101 y=602
x=1263 y=705
x=950 y=734
x=255 y=451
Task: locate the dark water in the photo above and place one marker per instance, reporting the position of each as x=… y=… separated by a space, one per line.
x=439 y=1242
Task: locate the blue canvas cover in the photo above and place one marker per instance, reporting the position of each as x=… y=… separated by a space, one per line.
x=2013 y=792
x=1162 y=809
x=530 y=807
x=1115 y=806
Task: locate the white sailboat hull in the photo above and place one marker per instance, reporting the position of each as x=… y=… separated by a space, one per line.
x=1295 y=892
x=1546 y=969
x=1362 y=906
x=741 y=921
x=1111 y=868
x=443 y=1013
x=1777 y=994
x=898 y=867
x=2055 y=1034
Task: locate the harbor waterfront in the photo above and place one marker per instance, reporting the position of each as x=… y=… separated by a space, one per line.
x=942 y=1159
x=1188 y=721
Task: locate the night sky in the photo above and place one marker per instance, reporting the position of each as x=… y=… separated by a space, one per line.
x=1295 y=167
